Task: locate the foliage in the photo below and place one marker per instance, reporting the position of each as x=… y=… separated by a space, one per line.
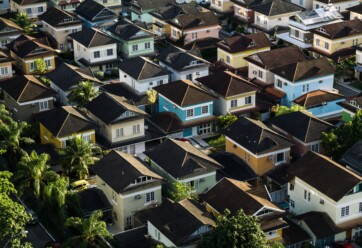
x=25 y=23
x=92 y=232
x=239 y=230
x=218 y=143
x=344 y=68
x=40 y=66
x=83 y=94
x=339 y=140
x=181 y=40
x=225 y=121
x=151 y=96
x=277 y=245
x=282 y=110
x=180 y=191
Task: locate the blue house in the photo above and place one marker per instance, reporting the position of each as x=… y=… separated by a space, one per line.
x=302 y=77
x=184 y=109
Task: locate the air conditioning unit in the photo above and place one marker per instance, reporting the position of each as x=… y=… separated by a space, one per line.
x=271 y=157
x=137 y=197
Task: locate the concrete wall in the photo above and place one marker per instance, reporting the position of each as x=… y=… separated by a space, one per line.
x=61 y=34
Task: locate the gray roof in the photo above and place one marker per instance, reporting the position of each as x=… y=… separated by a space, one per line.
x=172 y=10
x=128 y=31
x=276 y=7
x=89 y=9
x=55 y=17
x=353 y=157
x=202 y=19
x=91 y=37
x=150 y=4
x=141 y=68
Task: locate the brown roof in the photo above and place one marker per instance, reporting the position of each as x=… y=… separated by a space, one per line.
x=6 y=22
x=340 y=29
x=203 y=19
x=317 y=97
x=24 y=45
x=243 y=42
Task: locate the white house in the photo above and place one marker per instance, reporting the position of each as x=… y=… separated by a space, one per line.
x=33 y=8
x=340 y=5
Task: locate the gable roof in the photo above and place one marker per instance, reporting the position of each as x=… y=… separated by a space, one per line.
x=55 y=17
x=181 y=159
x=92 y=37
x=322 y=173
x=125 y=90
x=184 y=93
x=89 y=9
x=276 y=7
x=24 y=45
x=119 y=170
x=249 y=3
x=173 y=10
x=141 y=68
x=356 y=9
x=126 y=30
x=340 y=29
x=202 y=19
x=256 y=136
x=348 y=104
x=26 y=88
x=353 y=157
x=108 y=107
x=27 y=2
x=65 y=121
x=320 y=224
x=317 y=97
x=241 y=42
x=9 y=23
x=302 y=125
x=149 y=4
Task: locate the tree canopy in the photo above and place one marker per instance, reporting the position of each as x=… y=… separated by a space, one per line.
x=282 y=110
x=25 y=23
x=225 y=121
x=83 y=94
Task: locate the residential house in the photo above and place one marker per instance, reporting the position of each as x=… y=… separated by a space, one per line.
x=25 y=50
x=65 y=78
x=321 y=103
x=350 y=107
x=222 y=6
x=243 y=10
x=180 y=162
x=341 y=5
x=66 y=5
x=352 y=158
x=133 y=41
x=190 y=107
x=191 y=27
x=355 y=12
x=58 y=23
x=182 y=64
x=235 y=95
x=141 y=9
x=261 y=63
x=94 y=14
x=358 y=67
x=59 y=125
x=122 y=127
x=114 y=5
x=233 y=50
x=301 y=77
x=33 y=8
x=337 y=40
x=129 y=185
x=9 y=31
x=327 y=203
x=304 y=129
x=276 y=181
x=6 y=66
x=25 y=95
x=302 y=24
x=142 y=74
x=261 y=147
x=95 y=49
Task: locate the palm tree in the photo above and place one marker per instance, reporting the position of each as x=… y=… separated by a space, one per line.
x=83 y=93
x=77 y=156
x=91 y=232
x=4 y=115
x=24 y=22
x=55 y=192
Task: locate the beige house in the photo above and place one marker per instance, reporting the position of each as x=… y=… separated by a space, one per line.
x=33 y=8
x=222 y=6
x=6 y=66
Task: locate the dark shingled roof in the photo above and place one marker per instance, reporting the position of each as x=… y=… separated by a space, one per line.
x=280 y=174
x=293 y=234
x=241 y=42
x=171 y=11
x=93 y=199
x=8 y=23
x=256 y=136
x=276 y=7
x=333 y=1
x=24 y=45
x=119 y=170
x=227 y=84
x=184 y=93
x=353 y=157
x=249 y=3
x=317 y=97
x=302 y=125
x=356 y=9
x=134 y=238
x=25 y=88
x=141 y=68
x=322 y=173
x=89 y=9
x=27 y=2
x=150 y=4
x=123 y=89
x=348 y=106
x=91 y=37
x=340 y=29
x=65 y=121
x=181 y=159
x=126 y=30
x=55 y=17
x=321 y=225
x=203 y=19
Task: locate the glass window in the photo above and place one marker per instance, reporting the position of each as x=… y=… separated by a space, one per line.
x=147 y=45
x=150 y=197
x=314 y=147
x=4 y=70
x=317 y=42
x=136 y=129
x=47 y=62
x=326 y=45
x=129 y=222
x=248 y=100
x=280 y=83
x=109 y=52
x=43 y=105
x=119 y=132
x=32 y=66
x=135 y=47
x=190 y=113
x=345 y=211
x=86 y=138
x=228 y=59
x=189 y=76
x=28 y=10
x=260 y=74
x=205 y=109
x=40 y=9
x=97 y=54
x=280 y=157
x=292 y=203
x=234 y=103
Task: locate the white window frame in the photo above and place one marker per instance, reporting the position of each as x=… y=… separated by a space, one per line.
x=119 y=132
x=134 y=47
x=234 y=103
x=150 y=197
x=136 y=129
x=43 y=106
x=345 y=211
x=190 y=113
x=205 y=110
x=248 y=100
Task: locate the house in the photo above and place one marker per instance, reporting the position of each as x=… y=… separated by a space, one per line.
x=25 y=95
x=191 y=106
x=233 y=50
x=358 y=67
x=121 y=123
x=261 y=147
x=5 y=6
x=350 y=107
x=352 y=158
x=95 y=49
x=65 y=5
x=302 y=24
x=191 y=27
x=304 y=129
x=128 y=184
x=6 y=66
x=141 y=9
x=341 y=5
x=25 y=50
x=235 y=95
x=142 y=74
x=298 y=78
x=276 y=181
x=58 y=23
x=178 y=161
x=65 y=78
x=114 y=5
x=222 y=6
x=33 y=8
x=133 y=40
x=94 y=14
x=326 y=210
x=321 y=103
x=260 y=64
x=337 y=40
x=243 y=10
x=9 y=31
x=355 y=12
x=181 y=63
x=59 y=125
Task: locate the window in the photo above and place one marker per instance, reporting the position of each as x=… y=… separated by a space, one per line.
x=258 y=19
x=150 y=197
x=32 y=66
x=134 y=48
x=86 y=138
x=48 y=63
x=129 y=222
x=205 y=128
x=40 y=9
x=119 y=132
x=326 y=45
x=63 y=143
x=97 y=54
x=260 y=74
x=190 y=113
x=219 y=3
x=360 y=207
x=74 y=30
x=28 y=11
x=194 y=36
x=345 y=211
x=317 y=42
x=205 y=109
x=174 y=33
x=147 y=45
x=114 y=196
x=292 y=203
x=306 y=88
x=43 y=105
x=301 y=2
x=296 y=33
x=280 y=157
x=189 y=77
x=317 y=6
x=160 y=82
x=228 y=59
x=4 y=70
x=291 y=187
x=136 y=129
x=314 y=147
x=279 y=83
x=248 y=100
x=109 y=52
x=306 y=195
x=234 y=103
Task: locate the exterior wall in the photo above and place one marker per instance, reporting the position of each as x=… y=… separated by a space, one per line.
x=24 y=64
x=7 y=37
x=144 y=17
x=335 y=45
x=244 y=13
x=4 y=6
x=223 y=6
x=61 y=35
x=127 y=47
x=195 y=34
x=269 y=22
x=81 y=51
x=164 y=31
x=34 y=8
x=307 y=4
x=341 y=7
x=237 y=59
x=67 y=7
x=62 y=95
x=222 y=106
x=157 y=235
x=6 y=67
x=354 y=15
x=199 y=71
x=141 y=86
x=254 y=72
x=331 y=108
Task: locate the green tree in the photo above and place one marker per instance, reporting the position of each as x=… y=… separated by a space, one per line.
x=180 y=191
x=282 y=110
x=40 y=66
x=344 y=68
x=5 y=117
x=151 y=96
x=83 y=94
x=218 y=143
x=225 y=121
x=91 y=232
x=239 y=230
x=25 y=23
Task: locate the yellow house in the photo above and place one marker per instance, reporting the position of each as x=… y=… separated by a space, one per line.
x=61 y=124
x=233 y=50
x=222 y=6
x=25 y=50
x=259 y=146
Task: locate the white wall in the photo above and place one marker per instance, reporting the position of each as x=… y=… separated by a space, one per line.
x=81 y=51
x=157 y=235
x=339 y=6
x=196 y=72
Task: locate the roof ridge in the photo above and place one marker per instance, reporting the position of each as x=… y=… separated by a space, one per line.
x=95 y=32
x=227 y=90
x=26 y=85
x=144 y=64
x=183 y=99
x=60 y=129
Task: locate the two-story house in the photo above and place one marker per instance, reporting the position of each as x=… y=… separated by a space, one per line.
x=95 y=49
x=121 y=123
x=233 y=50
x=222 y=6
x=25 y=50
x=33 y=8
x=9 y=31
x=142 y=74
x=133 y=41
x=259 y=146
x=59 y=125
x=178 y=161
x=66 y=5
x=6 y=66
x=235 y=95
x=25 y=95
x=350 y=107
x=128 y=184
x=340 y=5
x=243 y=10
x=325 y=196
x=114 y=5
x=60 y=27
x=141 y=9
x=358 y=67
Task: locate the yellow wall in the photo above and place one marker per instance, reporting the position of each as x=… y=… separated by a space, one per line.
x=166 y=29
x=25 y=67
x=237 y=59
x=226 y=6
x=336 y=44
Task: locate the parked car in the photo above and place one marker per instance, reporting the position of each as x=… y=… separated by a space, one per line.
x=33 y=217
x=79 y=185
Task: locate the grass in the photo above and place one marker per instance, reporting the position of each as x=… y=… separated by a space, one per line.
x=357 y=85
